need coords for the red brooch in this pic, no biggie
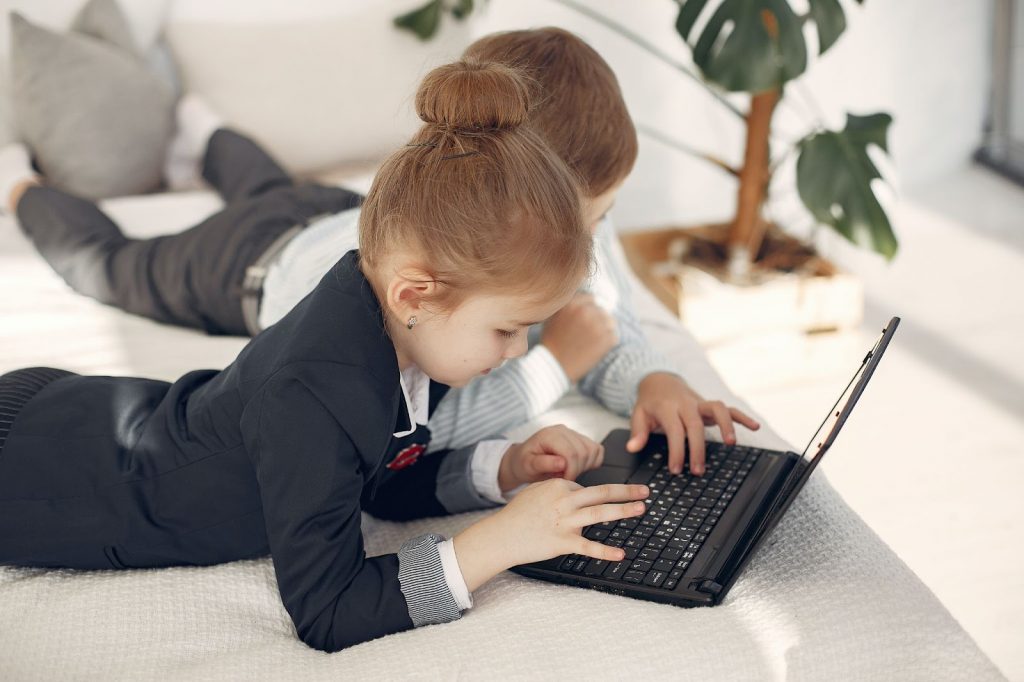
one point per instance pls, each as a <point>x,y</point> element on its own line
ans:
<point>407,457</point>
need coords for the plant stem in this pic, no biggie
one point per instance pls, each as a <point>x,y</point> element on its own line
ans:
<point>687,149</point>
<point>747,231</point>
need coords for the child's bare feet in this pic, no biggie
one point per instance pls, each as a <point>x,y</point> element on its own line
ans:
<point>16,174</point>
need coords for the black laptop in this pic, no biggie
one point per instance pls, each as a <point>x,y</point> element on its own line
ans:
<point>699,532</point>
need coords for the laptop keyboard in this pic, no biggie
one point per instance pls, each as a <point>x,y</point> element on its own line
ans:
<point>681,513</point>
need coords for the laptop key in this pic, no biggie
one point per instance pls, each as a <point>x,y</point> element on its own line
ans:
<point>664,565</point>
<point>655,578</point>
<point>567,562</point>
<point>580,565</point>
<point>672,553</point>
<point>648,554</point>
<point>642,565</point>
<point>657,543</point>
<point>631,553</point>
<point>635,577</point>
<point>616,570</point>
<point>596,567</point>
<point>670,584</point>
<point>596,534</point>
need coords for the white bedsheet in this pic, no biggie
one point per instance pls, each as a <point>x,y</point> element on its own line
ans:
<point>824,600</point>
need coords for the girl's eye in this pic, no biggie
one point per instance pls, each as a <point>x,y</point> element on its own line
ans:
<point>508,334</point>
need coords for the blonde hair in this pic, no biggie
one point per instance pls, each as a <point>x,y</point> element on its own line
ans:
<point>477,196</point>
<point>578,106</point>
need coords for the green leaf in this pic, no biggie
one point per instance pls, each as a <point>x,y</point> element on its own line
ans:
<point>689,10</point>
<point>828,16</point>
<point>423,21</point>
<point>756,45</point>
<point>764,48</point>
<point>462,9</point>
<point>834,174</point>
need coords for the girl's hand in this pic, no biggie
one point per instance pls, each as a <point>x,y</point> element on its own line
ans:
<point>664,400</point>
<point>545,521</point>
<point>553,452</point>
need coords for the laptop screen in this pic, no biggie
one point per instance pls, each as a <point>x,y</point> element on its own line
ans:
<point>837,416</point>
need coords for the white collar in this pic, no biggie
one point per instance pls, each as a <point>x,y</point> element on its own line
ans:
<point>416,391</point>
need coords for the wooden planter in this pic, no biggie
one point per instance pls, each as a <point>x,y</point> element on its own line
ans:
<point>796,290</point>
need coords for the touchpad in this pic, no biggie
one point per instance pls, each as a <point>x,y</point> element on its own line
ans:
<point>619,464</point>
<point>604,474</point>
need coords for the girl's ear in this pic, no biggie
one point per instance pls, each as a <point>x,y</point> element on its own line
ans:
<point>409,289</point>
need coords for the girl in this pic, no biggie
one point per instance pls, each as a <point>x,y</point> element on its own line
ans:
<point>469,234</point>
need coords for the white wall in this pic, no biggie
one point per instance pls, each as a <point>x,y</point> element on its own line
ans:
<point>925,62</point>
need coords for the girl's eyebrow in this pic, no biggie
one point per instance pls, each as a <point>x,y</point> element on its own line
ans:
<point>527,324</point>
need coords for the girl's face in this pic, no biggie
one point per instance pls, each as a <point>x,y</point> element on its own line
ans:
<point>478,336</point>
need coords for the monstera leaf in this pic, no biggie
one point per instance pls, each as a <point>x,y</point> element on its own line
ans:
<point>834,174</point>
<point>756,45</point>
<point>424,21</point>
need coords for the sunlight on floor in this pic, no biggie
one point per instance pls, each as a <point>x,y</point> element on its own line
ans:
<point>940,431</point>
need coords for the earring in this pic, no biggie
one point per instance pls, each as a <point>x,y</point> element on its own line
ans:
<point>411,323</point>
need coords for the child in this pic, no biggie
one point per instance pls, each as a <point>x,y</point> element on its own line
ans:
<point>580,112</point>
<point>469,234</point>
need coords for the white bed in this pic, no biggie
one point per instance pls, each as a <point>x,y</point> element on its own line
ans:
<point>825,600</point>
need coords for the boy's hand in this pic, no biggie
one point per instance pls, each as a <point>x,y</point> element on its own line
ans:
<point>552,452</point>
<point>542,522</point>
<point>664,400</point>
<point>579,335</point>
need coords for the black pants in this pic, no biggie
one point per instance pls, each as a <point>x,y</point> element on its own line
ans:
<point>193,278</point>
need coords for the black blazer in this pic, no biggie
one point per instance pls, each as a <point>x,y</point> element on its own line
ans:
<point>279,453</point>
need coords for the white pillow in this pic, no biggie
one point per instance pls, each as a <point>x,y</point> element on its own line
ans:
<point>318,82</point>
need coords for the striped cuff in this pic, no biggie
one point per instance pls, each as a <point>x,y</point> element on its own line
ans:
<point>618,388</point>
<point>484,467</point>
<point>422,580</point>
<point>540,379</point>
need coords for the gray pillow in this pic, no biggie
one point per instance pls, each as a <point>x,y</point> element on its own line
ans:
<point>97,120</point>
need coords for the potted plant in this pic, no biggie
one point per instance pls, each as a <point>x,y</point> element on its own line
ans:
<point>756,47</point>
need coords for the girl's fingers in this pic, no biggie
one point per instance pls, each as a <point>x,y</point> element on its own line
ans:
<point>744,419</point>
<point>695,434</point>
<point>548,464</point>
<point>675,433</point>
<point>607,493</point>
<point>596,550</point>
<point>588,516</point>
<point>724,421</point>
<point>640,429</point>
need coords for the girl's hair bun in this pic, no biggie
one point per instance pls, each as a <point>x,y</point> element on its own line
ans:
<point>471,95</point>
